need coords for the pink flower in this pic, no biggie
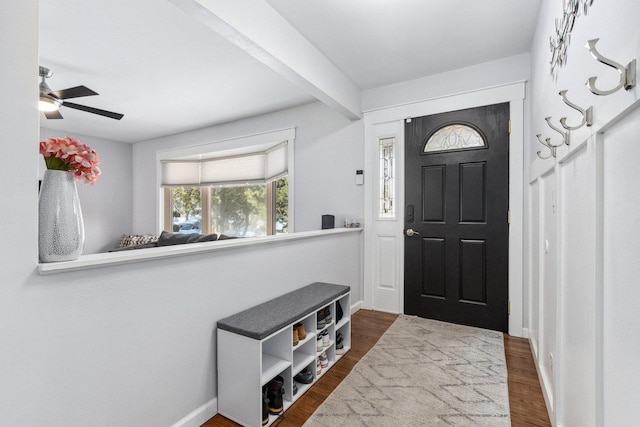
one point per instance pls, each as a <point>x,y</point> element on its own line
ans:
<point>69,154</point>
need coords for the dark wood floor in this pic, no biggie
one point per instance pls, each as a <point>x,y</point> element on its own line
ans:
<point>525,395</point>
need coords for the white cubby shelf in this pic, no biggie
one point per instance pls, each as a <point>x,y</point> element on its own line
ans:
<point>256,345</point>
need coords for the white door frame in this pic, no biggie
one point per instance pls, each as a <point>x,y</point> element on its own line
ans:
<point>383,237</point>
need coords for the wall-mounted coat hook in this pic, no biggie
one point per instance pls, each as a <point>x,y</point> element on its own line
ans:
<point>627,74</point>
<point>552,149</point>
<point>565,135</point>
<point>587,115</point>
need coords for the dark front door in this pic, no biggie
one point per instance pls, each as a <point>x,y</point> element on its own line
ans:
<point>456,217</point>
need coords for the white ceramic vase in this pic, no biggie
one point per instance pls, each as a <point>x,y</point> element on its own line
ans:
<point>60,224</point>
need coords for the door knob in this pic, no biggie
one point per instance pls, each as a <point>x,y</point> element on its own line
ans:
<point>410,232</point>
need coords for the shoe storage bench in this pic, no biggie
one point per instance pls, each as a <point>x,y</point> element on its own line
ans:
<point>256,345</point>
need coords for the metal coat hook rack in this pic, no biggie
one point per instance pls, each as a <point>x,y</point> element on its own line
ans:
<point>627,74</point>
<point>546,143</point>
<point>565,135</point>
<point>587,115</point>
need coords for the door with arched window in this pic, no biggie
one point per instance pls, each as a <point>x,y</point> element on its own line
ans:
<point>456,216</point>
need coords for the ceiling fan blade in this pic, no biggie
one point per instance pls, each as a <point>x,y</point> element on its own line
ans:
<point>98,111</point>
<point>73,92</point>
<point>53,114</point>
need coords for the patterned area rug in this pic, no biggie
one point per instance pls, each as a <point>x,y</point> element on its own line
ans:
<point>423,373</point>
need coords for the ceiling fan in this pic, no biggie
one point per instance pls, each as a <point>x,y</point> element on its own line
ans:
<point>51,101</point>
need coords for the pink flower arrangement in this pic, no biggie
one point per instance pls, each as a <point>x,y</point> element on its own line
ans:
<point>69,154</point>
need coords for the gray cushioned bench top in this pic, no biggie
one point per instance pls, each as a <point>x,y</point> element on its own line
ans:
<point>262,320</point>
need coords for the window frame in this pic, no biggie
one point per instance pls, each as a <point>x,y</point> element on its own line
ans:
<point>226,145</point>
<point>205,215</point>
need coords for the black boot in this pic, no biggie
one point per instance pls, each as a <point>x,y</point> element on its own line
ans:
<point>265,407</point>
<point>275,390</point>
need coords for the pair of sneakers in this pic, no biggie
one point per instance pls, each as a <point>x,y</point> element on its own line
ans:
<point>322,340</point>
<point>339,344</point>
<point>323,359</point>
<point>321,363</point>
<point>305,376</point>
<point>324,317</point>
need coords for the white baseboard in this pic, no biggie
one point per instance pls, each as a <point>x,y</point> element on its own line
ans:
<point>199,416</point>
<point>356,306</point>
<point>525,333</point>
<point>387,311</point>
<point>544,385</point>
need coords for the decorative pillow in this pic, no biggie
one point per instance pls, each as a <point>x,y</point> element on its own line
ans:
<point>129,248</point>
<point>168,239</point>
<point>136,239</point>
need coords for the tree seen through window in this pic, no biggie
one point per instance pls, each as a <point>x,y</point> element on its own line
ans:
<point>235,210</point>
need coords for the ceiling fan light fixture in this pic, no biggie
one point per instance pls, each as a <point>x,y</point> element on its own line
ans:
<point>48,103</point>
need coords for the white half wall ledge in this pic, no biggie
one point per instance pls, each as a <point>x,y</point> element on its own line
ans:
<point>139,255</point>
<point>268,37</point>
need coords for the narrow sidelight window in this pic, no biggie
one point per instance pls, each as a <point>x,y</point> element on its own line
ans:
<point>387,177</point>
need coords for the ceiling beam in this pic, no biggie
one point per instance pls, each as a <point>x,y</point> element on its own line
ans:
<point>255,27</point>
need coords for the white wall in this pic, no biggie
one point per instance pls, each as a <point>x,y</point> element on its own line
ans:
<point>616,27</point>
<point>20,306</point>
<point>328,151</point>
<point>488,74</point>
<point>582,252</point>
<point>134,344</point>
<point>106,205</point>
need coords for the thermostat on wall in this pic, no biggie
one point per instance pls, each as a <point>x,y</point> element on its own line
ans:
<point>359,177</point>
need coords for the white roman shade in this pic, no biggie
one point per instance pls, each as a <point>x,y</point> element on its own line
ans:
<point>276,162</point>
<point>176,173</point>
<point>256,167</point>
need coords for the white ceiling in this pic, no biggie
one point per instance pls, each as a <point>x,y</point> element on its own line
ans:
<point>168,72</point>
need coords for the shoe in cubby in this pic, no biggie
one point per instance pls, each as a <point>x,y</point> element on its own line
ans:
<point>324,360</point>
<point>325,339</point>
<point>339,344</point>
<point>265,406</point>
<point>320,319</point>
<point>302,333</point>
<point>327,315</point>
<point>275,391</point>
<point>305,376</point>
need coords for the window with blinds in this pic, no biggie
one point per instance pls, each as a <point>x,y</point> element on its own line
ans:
<point>238,192</point>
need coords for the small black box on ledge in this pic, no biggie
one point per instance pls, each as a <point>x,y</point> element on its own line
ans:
<point>328,221</point>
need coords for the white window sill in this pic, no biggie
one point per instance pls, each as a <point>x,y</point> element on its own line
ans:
<point>139,255</point>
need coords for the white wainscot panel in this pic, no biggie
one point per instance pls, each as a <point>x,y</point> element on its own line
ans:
<point>534,256</point>
<point>621,272</point>
<point>386,290</point>
<point>576,356</point>
<point>548,288</point>
<point>386,258</point>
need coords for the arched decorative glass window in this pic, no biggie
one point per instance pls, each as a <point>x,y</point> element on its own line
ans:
<point>454,137</point>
